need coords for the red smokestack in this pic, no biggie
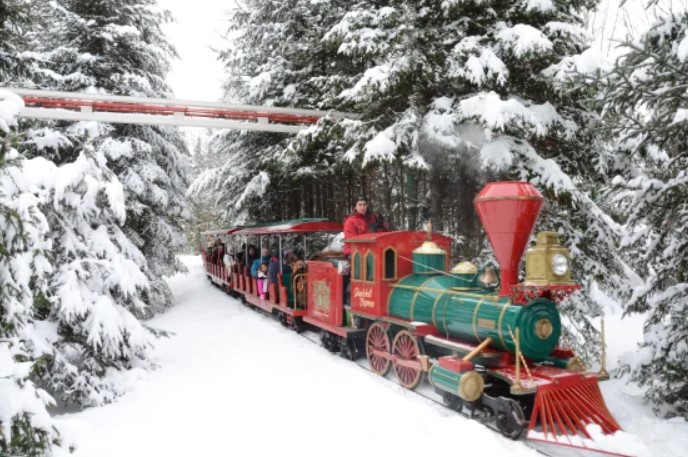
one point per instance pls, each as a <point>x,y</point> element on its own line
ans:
<point>508,211</point>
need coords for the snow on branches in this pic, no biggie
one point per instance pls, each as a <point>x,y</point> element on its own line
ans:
<point>646,102</point>
<point>26,428</point>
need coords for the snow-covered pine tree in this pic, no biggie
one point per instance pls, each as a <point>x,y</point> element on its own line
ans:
<point>117,47</point>
<point>98,284</point>
<point>14,19</point>
<point>26,427</point>
<point>648,112</point>
<point>276,57</point>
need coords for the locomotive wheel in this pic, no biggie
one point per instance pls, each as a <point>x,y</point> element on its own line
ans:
<point>406,348</point>
<point>510,419</point>
<point>378,339</point>
<point>451,401</point>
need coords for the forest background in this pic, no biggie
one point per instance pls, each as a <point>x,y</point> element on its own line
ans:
<point>450,95</point>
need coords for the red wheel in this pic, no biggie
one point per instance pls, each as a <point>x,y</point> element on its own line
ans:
<point>377,340</point>
<point>406,350</point>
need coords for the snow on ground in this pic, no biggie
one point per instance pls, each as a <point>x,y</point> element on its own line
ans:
<point>232,381</point>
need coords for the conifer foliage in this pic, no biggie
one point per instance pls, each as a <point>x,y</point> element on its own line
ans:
<point>648,113</point>
<point>26,428</point>
<point>117,47</point>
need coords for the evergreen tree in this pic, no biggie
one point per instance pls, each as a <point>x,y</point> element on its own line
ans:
<point>115,197</point>
<point>203,204</point>
<point>277,57</point>
<point>26,428</point>
<point>647,112</point>
<point>14,18</point>
<point>98,282</point>
<point>117,47</point>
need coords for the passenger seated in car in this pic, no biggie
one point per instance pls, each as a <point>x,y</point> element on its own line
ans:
<point>228,261</point>
<point>298,266</point>
<point>251,256</point>
<point>274,267</point>
<point>264,258</point>
<point>262,280</point>
<point>220,252</point>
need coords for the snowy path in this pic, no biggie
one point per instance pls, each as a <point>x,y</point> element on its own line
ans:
<point>234,382</point>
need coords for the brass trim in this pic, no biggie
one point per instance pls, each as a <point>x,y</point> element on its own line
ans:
<point>475,319</point>
<point>500,326</point>
<point>434,310</point>
<point>511,197</point>
<point>478,349</point>
<point>444,318</point>
<point>429,247</point>
<point>415,297</point>
<point>464,268</point>
<point>543,328</point>
<point>448,291</point>
<point>471,386</point>
<point>458,347</point>
<point>517,342</point>
<point>576,365</point>
<point>424,362</point>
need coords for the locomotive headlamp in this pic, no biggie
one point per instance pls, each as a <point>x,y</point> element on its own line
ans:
<point>560,264</point>
<point>548,262</point>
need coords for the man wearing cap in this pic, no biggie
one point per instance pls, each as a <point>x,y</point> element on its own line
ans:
<point>361,221</point>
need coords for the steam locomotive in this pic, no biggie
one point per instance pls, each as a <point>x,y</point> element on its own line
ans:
<point>485,342</point>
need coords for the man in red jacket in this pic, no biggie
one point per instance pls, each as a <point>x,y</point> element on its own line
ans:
<point>361,221</point>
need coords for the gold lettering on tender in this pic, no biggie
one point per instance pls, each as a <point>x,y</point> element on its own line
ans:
<point>321,296</point>
<point>486,323</point>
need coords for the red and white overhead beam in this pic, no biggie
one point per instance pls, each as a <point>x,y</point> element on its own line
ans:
<point>74,106</point>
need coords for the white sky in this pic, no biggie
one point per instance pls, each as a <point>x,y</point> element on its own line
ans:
<point>200,24</point>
